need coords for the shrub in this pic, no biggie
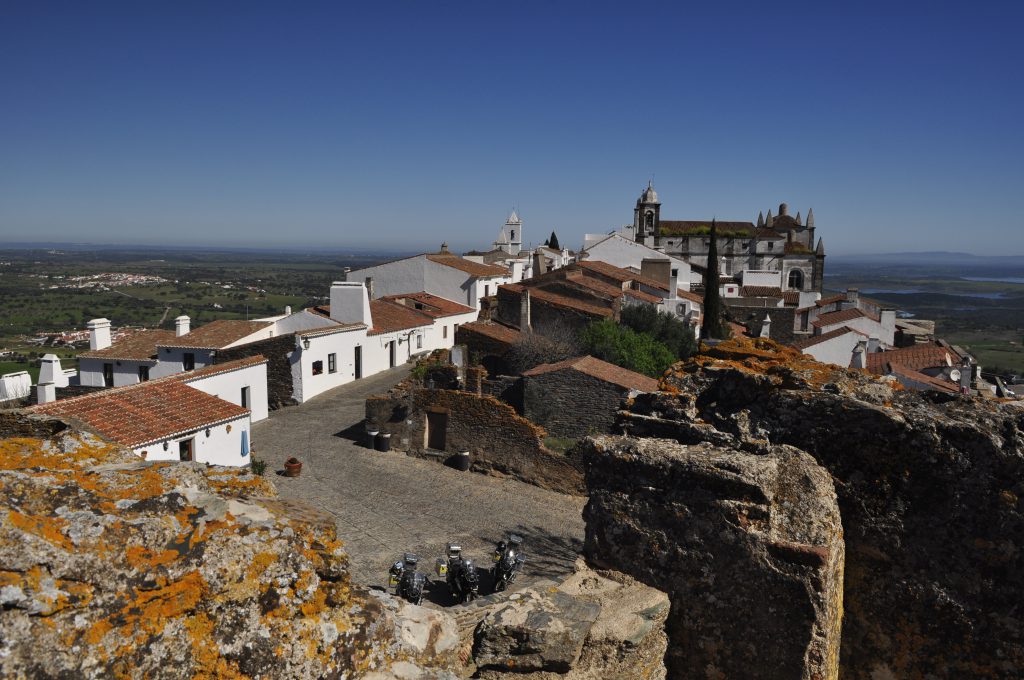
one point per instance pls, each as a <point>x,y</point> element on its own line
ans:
<point>258,466</point>
<point>665,328</point>
<point>624,347</point>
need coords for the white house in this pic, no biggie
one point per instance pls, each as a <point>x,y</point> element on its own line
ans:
<point>624,253</point>
<point>840,346</point>
<point>442,274</point>
<point>126,362</point>
<point>242,382</point>
<point>174,418</point>
<point>190,350</point>
<point>848,310</point>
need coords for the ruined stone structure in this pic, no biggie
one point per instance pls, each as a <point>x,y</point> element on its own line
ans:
<point>278,351</point>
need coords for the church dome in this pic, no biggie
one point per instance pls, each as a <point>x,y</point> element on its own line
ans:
<point>649,195</point>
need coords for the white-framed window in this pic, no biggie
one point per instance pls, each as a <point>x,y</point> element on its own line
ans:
<point>332,363</point>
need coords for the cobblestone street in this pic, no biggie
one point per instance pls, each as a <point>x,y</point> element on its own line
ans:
<point>387,503</point>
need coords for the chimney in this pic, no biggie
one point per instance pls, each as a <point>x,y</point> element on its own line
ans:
<point>783,209</point>
<point>287,310</point>
<point>874,345</point>
<point>99,334</point>
<point>182,325</point>
<point>345,272</point>
<point>350,302</point>
<point>673,283</point>
<point>444,248</point>
<point>45,393</point>
<point>658,270</point>
<point>51,372</point>
<point>853,296</point>
<point>524,311</point>
<point>766,327</point>
<point>369,287</point>
<point>540,263</point>
<point>859,355</point>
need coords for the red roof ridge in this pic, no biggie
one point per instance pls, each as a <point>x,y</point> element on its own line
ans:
<point>602,370</point>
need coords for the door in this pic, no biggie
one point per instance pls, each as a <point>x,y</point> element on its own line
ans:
<point>437,431</point>
<point>359,362</point>
<point>391,354</point>
<point>185,449</point>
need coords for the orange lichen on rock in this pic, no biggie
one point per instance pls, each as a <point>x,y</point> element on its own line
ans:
<point>47,528</point>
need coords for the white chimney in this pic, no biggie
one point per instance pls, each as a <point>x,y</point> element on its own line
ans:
<point>766,327</point>
<point>99,334</point>
<point>350,303</point>
<point>860,355</point>
<point>45,393</point>
<point>182,325</point>
<point>288,310</point>
<point>874,345</point>
<point>51,372</point>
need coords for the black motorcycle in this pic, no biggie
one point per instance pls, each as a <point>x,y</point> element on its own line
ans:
<point>461,576</point>
<point>508,561</point>
<point>408,583</point>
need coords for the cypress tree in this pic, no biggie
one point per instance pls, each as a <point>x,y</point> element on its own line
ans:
<point>711,327</point>
<point>553,242</point>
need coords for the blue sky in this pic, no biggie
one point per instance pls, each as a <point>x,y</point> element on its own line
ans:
<point>400,125</point>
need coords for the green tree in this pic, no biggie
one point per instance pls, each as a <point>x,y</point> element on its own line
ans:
<point>712,324</point>
<point>665,328</point>
<point>553,242</point>
<point>622,346</point>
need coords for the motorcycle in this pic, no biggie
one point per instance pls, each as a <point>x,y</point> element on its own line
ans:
<point>508,561</point>
<point>407,582</point>
<point>460,574</point>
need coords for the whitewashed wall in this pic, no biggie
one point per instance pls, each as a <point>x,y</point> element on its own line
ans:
<point>342,345</point>
<point>169,360</point>
<point>838,351</point>
<point>126,372</point>
<point>228,386</point>
<point>620,252</point>
<point>222,447</point>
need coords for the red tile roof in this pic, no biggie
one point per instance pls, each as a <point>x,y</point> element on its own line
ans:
<point>929,381</point>
<point>842,316</point>
<point>468,266</point>
<point>147,412</point>
<point>831,300</point>
<point>620,274</point>
<point>431,305</point>
<point>614,291</point>
<point>916,357</point>
<point>492,330</point>
<point>690,295</point>
<point>761,291</point>
<point>559,300</point>
<point>216,369</point>
<point>137,346</point>
<point>601,370</point>
<point>791,297</point>
<point>389,317</point>
<point>823,337</point>
<point>217,334</point>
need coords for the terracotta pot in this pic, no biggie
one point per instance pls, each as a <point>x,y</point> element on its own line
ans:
<point>292,467</point>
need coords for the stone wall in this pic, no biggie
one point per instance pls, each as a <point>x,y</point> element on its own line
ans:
<point>15,423</point>
<point>499,440</point>
<point>280,389</point>
<point>930,490</point>
<point>571,404</point>
<point>749,547</point>
<point>507,388</point>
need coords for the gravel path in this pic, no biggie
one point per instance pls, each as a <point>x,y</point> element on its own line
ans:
<point>387,503</point>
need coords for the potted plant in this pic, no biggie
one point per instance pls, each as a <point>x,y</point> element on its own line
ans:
<point>292,467</point>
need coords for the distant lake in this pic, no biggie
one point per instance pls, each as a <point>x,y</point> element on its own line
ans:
<point>1005,279</point>
<point>918,291</point>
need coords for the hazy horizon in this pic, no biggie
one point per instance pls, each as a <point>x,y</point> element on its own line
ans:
<point>297,126</point>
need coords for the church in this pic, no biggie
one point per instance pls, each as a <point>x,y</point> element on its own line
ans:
<point>782,245</point>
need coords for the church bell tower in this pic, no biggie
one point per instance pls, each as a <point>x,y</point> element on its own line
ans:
<point>647,218</point>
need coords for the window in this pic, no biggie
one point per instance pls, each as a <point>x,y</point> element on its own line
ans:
<point>419,342</point>
<point>185,449</point>
<point>245,397</point>
<point>771,245</point>
<point>796,279</point>
<point>444,332</point>
<point>318,367</point>
<point>143,373</point>
<point>188,361</point>
<point>455,328</point>
<point>487,290</point>
<point>332,363</point>
<point>108,375</point>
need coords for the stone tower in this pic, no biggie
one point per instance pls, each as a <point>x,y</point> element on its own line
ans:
<point>514,228</point>
<point>647,217</point>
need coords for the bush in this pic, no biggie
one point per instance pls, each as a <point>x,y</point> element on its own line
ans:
<point>547,344</point>
<point>258,466</point>
<point>622,346</point>
<point>665,328</point>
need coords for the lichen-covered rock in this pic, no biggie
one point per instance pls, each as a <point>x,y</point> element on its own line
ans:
<point>115,567</point>
<point>930,488</point>
<point>748,547</point>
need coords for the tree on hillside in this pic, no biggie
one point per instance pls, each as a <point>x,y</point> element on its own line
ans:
<point>552,242</point>
<point>712,324</point>
<point>624,347</point>
<point>667,329</point>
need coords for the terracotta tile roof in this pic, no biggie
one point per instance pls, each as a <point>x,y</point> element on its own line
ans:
<point>765,234</point>
<point>691,296</point>
<point>614,291</point>
<point>916,357</point>
<point>843,315</point>
<point>620,274</point>
<point>215,369</point>
<point>931,382</point>
<point>601,370</point>
<point>147,412</point>
<point>431,305</point>
<point>468,266</point>
<point>831,300</point>
<point>791,297</point>
<point>217,334</point>
<point>564,301</point>
<point>823,337</point>
<point>389,317</point>
<point>698,227</point>
<point>761,291</point>
<point>137,346</point>
<point>492,330</point>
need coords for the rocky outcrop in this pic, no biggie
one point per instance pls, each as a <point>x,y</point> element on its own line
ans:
<point>749,548</point>
<point>595,625</point>
<point>115,567</point>
<point>929,489</point>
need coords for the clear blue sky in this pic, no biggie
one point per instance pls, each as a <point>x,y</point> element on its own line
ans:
<point>400,125</point>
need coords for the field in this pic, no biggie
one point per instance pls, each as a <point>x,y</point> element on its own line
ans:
<point>47,292</point>
<point>977,303</point>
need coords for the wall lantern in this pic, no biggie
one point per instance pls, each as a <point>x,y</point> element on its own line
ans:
<point>166,446</point>
<point>207,432</point>
<point>305,343</point>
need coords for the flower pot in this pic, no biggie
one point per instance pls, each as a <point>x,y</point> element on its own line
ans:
<point>292,467</point>
<point>383,442</point>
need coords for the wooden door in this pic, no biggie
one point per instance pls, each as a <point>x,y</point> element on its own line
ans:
<point>437,431</point>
